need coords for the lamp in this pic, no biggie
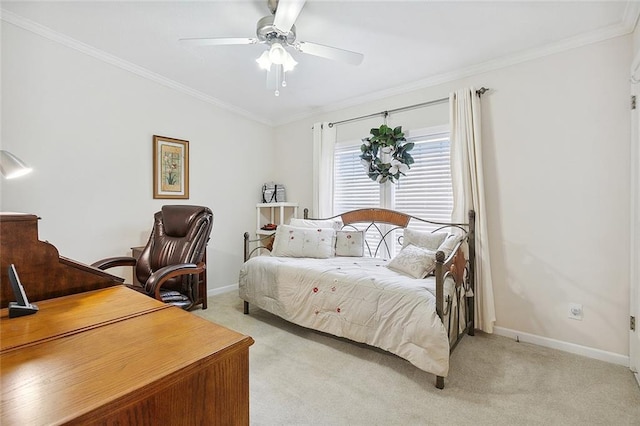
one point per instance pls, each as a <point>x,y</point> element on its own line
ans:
<point>11,166</point>
<point>264,62</point>
<point>277,55</point>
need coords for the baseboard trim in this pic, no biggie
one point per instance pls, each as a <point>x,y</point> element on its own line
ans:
<point>564,346</point>
<point>220,290</point>
<point>547,342</point>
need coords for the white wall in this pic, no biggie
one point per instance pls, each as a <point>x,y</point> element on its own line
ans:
<point>556,133</point>
<point>556,144</point>
<point>86,127</point>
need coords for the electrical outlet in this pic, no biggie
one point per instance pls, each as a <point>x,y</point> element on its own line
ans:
<point>575,311</point>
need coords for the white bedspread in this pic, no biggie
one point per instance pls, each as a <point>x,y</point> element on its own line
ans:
<point>356,298</point>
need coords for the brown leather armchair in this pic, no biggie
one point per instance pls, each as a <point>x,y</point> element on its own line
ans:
<point>172,261</point>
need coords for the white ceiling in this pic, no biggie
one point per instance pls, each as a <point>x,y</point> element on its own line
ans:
<point>406,44</point>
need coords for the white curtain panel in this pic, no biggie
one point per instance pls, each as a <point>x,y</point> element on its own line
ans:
<point>468,193</point>
<point>324,141</point>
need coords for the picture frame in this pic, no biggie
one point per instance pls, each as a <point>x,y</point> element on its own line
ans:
<point>170,168</point>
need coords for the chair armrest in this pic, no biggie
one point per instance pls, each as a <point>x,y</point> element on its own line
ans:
<point>156,279</point>
<point>112,262</point>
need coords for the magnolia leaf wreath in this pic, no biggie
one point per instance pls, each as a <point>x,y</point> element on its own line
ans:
<point>385,154</point>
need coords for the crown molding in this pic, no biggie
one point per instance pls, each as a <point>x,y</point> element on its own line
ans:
<point>72,43</point>
<point>624,27</point>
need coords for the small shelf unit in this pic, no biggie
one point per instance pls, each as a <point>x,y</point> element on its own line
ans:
<point>276,213</point>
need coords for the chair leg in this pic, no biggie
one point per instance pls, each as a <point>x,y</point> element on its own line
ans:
<point>246,307</point>
<point>440,382</point>
<point>202,288</point>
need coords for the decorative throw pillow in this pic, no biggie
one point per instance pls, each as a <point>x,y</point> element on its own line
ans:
<point>413,261</point>
<point>350,243</point>
<point>291,241</point>
<point>316,223</point>
<point>424,239</point>
<point>449,244</point>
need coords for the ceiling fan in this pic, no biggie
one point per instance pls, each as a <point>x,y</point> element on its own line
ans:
<point>278,32</point>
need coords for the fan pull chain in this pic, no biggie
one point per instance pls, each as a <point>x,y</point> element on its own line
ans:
<point>278,76</point>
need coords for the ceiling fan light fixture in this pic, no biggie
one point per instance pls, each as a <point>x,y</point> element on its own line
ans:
<point>289,63</point>
<point>278,32</point>
<point>277,54</point>
<point>263,61</point>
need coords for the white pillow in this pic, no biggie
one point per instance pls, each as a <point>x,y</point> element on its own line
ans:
<point>424,239</point>
<point>291,241</point>
<point>316,223</point>
<point>350,243</point>
<point>414,261</point>
<point>449,244</point>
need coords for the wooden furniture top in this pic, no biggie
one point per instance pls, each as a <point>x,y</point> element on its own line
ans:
<point>73,314</point>
<point>43,272</point>
<point>104,360</point>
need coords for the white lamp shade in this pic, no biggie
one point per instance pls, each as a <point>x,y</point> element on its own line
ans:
<point>11,166</point>
<point>277,54</point>
<point>263,61</point>
<point>289,63</point>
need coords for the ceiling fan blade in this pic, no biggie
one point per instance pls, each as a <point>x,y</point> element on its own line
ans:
<point>217,41</point>
<point>287,13</point>
<point>347,56</point>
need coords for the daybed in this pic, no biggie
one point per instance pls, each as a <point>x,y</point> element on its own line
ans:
<point>342,276</point>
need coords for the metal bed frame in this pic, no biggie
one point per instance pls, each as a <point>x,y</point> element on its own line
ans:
<point>382,223</point>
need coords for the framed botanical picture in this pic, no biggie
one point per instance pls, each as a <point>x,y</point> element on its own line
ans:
<point>170,168</point>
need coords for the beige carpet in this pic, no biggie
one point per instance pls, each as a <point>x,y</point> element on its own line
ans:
<point>302,377</point>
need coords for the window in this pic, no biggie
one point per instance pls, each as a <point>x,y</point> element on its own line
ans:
<point>425,191</point>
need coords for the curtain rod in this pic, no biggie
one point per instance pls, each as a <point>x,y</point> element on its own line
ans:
<point>481,91</point>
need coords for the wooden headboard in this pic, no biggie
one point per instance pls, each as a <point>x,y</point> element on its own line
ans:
<point>390,217</point>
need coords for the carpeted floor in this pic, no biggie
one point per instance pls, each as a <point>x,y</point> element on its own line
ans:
<point>302,377</point>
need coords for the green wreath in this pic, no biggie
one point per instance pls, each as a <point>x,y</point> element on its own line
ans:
<point>386,144</point>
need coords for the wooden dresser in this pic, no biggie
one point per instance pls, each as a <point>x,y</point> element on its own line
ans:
<point>115,356</point>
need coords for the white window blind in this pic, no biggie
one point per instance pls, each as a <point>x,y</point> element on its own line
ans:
<point>426,190</point>
<point>352,188</point>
